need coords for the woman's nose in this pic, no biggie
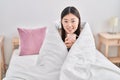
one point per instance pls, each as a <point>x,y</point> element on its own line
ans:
<point>69,24</point>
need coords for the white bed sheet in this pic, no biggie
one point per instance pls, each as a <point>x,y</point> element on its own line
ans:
<point>19,64</point>
<point>25,68</point>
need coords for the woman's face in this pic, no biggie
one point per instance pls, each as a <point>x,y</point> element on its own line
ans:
<point>70,23</point>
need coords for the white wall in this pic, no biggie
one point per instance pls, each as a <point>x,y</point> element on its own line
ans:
<point>31,13</point>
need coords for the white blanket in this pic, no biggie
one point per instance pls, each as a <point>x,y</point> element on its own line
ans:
<point>84,63</point>
<point>25,68</point>
<point>21,67</point>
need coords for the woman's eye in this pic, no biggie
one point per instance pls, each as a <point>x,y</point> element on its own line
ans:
<point>73,21</point>
<point>65,21</point>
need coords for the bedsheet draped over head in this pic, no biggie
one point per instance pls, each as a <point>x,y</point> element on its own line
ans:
<point>81,55</point>
<point>83,63</point>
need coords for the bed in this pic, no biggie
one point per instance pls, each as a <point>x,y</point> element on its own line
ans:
<point>54,62</point>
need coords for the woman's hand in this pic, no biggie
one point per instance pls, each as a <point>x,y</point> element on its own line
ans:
<point>70,39</point>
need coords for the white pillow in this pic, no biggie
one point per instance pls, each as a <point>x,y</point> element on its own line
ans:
<point>81,54</point>
<point>53,51</point>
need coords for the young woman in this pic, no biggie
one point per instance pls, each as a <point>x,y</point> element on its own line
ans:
<point>70,24</point>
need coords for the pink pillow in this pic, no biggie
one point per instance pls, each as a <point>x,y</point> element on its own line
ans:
<point>31,40</point>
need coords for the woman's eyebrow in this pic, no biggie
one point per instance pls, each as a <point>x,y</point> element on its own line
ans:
<point>68,19</point>
<point>65,19</point>
<point>73,18</point>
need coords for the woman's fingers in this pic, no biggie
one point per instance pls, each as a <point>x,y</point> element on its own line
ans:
<point>69,40</point>
<point>68,44</point>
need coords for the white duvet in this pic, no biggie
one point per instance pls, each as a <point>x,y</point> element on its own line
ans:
<point>54,62</point>
<point>84,62</point>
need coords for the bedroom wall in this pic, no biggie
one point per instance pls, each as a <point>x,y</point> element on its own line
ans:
<point>37,13</point>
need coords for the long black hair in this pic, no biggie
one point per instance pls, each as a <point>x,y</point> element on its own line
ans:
<point>74,11</point>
